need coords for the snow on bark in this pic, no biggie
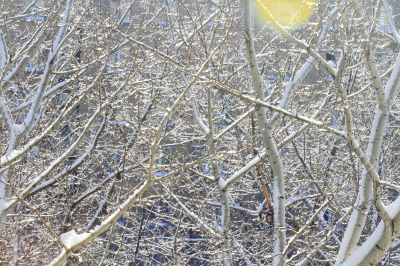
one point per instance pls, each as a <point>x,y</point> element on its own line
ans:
<point>379,124</point>
<point>75,241</point>
<point>71,238</point>
<point>372,250</point>
<point>269,143</point>
<point>44,81</point>
<point>3,51</point>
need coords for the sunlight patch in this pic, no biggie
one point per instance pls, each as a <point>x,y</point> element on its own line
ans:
<point>288,13</point>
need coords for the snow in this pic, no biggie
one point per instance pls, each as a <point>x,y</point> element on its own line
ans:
<point>9,156</point>
<point>3,202</point>
<point>3,51</point>
<point>71,238</point>
<point>242,171</point>
<point>365,250</point>
<point>357,257</point>
<point>222,183</point>
<point>394,208</point>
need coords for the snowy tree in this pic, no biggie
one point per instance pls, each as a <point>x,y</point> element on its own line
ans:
<point>139,132</point>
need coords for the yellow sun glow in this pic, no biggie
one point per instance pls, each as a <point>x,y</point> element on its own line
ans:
<point>287,13</point>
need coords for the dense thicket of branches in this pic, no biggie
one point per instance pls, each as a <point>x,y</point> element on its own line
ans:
<point>190,132</point>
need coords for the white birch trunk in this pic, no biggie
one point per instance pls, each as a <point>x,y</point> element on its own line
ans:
<point>373,249</point>
<point>16,131</point>
<point>365,194</point>
<point>270,146</point>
